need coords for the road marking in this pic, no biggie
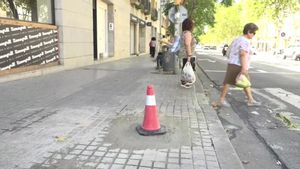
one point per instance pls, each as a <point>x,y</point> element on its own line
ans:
<point>209,60</point>
<point>215,71</point>
<point>272,100</point>
<point>262,71</point>
<point>285,96</point>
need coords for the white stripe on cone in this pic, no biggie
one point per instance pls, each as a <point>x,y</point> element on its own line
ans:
<point>150,101</point>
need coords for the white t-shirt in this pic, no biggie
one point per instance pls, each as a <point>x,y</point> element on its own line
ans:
<point>240,43</point>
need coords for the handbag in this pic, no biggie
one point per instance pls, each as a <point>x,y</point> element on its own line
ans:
<point>188,74</point>
<point>242,81</point>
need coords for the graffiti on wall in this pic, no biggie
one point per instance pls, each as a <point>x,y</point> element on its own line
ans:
<point>25,46</point>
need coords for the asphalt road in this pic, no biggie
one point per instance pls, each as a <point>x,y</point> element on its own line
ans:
<point>267,136</point>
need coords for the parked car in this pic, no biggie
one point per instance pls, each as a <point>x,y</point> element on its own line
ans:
<point>292,52</point>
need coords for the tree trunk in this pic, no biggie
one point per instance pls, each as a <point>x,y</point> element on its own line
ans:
<point>13,9</point>
<point>34,13</point>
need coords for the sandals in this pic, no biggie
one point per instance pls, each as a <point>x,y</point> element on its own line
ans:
<point>218,104</point>
<point>254,104</point>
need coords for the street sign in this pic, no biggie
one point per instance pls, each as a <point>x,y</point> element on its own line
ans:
<point>178,16</point>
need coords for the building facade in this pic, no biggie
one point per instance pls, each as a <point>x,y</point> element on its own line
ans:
<point>83,33</point>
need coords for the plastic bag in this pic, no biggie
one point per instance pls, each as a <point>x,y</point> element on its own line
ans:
<point>242,81</point>
<point>188,74</point>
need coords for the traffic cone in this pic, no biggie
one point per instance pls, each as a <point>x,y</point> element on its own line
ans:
<point>151,125</point>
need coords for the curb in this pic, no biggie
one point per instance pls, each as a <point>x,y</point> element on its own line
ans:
<point>226,154</point>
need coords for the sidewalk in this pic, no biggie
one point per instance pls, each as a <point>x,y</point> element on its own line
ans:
<point>86,118</point>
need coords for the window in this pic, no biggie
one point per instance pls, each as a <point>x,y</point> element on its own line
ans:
<point>28,10</point>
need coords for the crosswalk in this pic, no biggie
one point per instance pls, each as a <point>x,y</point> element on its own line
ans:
<point>285,96</point>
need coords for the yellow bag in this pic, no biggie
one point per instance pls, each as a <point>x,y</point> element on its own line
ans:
<point>242,81</point>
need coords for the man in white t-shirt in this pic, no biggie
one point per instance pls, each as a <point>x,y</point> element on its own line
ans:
<point>239,54</point>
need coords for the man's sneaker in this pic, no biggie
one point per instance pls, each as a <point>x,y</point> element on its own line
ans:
<point>254,104</point>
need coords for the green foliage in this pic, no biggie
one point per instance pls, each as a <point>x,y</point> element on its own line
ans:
<point>280,8</point>
<point>229,20</point>
<point>226,2</point>
<point>201,11</point>
<point>228,25</point>
<point>26,5</point>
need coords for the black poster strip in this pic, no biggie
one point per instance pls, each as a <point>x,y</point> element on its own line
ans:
<point>25,46</point>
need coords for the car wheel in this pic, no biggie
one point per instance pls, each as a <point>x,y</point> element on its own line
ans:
<point>284,57</point>
<point>297,58</point>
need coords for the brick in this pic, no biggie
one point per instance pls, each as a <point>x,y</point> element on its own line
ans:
<point>91,147</point>
<point>110,155</point>
<point>131,167</point>
<point>138,151</point>
<point>173,166</point>
<point>103,166</point>
<point>107,160</point>
<point>99,153</point>
<point>159,165</point>
<point>75,152</point>
<point>146,163</point>
<point>114,150</point>
<point>83,157</point>
<point>186,166</point>
<point>120,161</point>
<point>117,166</point>
<point>123,156</point>
<point>173,160</point>
<point>133,162</point>
<point>88,153</point>
<point>186,161</point>
<point>136,157</point>
<point>107,144</point>
<point>124,151</point>
<point>188,156</point>
<point>102,148</point>
<point>174,155</point>
<point>69,157</point>
<point>90,164</point>
<point>80,147</point>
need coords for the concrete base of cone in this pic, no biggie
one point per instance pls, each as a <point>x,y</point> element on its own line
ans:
<point>143,132</point>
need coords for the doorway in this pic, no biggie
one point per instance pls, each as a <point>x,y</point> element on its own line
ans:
<point>102,30</point>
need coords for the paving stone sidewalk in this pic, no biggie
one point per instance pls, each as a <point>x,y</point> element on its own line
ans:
<point>93,127</point>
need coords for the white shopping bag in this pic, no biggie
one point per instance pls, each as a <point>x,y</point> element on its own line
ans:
<point>188,74</point>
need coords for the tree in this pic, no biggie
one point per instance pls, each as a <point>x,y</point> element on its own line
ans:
<point>201,11</point>
<point>280,8</point>
<point>228,25</point>
<point>27,6</point>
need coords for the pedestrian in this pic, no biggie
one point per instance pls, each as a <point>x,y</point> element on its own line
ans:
<point>238,64</point>
<point>187,49</point>
<point>152,46</point>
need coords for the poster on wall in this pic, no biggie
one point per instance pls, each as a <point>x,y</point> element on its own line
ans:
<point>25,46</point>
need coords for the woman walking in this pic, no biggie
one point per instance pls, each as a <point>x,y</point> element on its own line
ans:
<point>238,64</point>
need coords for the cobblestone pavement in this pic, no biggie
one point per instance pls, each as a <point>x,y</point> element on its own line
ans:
<point>92,126</point>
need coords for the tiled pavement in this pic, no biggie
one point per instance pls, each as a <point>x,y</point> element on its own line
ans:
<point>108,139</point>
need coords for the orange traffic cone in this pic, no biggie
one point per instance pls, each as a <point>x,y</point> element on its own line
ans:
<point>151,125</point>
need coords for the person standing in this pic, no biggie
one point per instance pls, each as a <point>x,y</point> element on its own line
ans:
<point>238,64</point>
<point>152,46</point>
<point>188,44</point>
<point>163,48</point>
